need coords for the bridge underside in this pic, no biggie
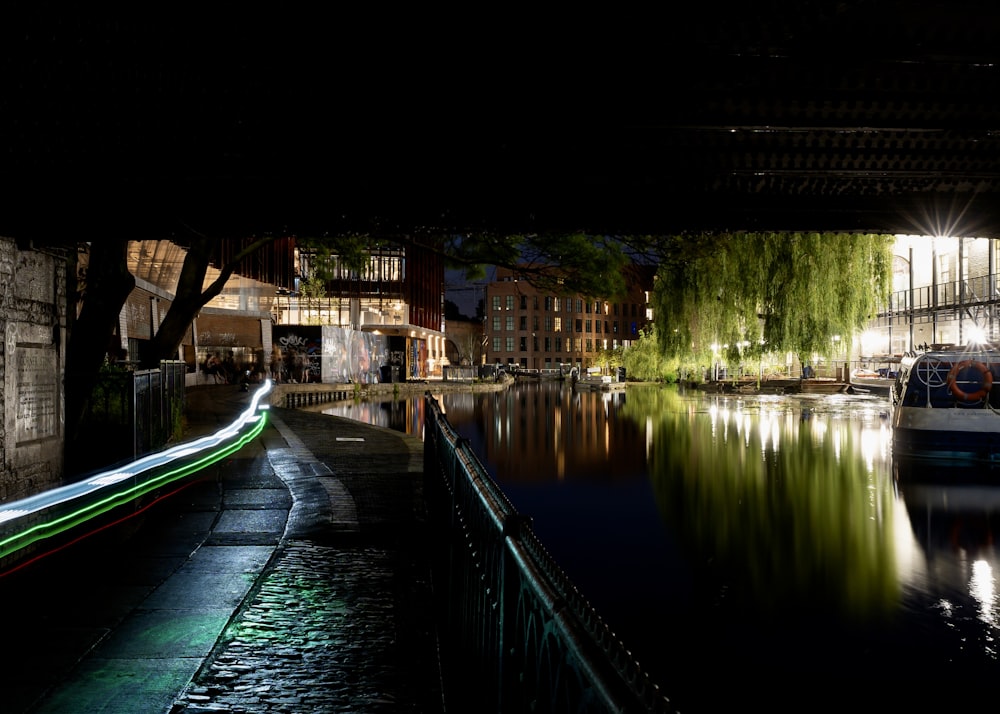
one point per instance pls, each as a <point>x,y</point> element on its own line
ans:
<point>778,116</point>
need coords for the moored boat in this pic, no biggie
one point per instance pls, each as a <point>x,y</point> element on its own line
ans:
<point>821,385</point>
<point>875,377</point>
<point>944,404</point>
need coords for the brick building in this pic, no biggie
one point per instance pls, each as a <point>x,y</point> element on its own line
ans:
<point>536,329</point>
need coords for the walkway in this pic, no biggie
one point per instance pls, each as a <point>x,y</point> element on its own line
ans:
<point>292,578</point>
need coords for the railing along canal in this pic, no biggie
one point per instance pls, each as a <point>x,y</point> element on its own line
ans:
<point>130,413</point>
<point>525,638</point>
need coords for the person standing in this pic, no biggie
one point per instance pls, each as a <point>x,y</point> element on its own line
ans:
<point>290,364</point>
<point>276,364</point>
<point>214,367</point>
<point>300,366</point>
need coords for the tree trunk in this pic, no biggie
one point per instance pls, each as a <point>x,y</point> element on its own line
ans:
<point>192,295</point>
<point>188,300</point>
<point>106,288</point>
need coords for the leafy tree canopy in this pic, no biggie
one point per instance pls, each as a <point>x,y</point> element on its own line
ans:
<point>591,265</point>
<point>769,292</point>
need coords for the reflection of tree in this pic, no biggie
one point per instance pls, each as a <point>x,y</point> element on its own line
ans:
<point>778,528</point>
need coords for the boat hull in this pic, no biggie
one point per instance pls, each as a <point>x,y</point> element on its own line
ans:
<point>819,385</point>
<point>947,433</point>
<point>875,387</point>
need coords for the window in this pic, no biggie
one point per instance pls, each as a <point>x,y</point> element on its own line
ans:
<point>614,327</point>
<point>534,323</point>
<point>590,345</point>
<point>510,344</point>
<point>534,343</point>
<point>587,307</point>
<point>510,302</point>
<point>597,325</point>
<point>557,324</point>
<point>548,344</point>
<point>510,323</point>
<point>579,324</point>
<point>590,327</point>
<point>579,306</point>
<point>548,303</point>
<point>524,344</point>
<point>524,302</point>
<point>558,344</point>
<point>524,323</point>
<point>496,302</point>
<point>548,323</point>
<point>496,344</point>
<point>576,344</point>
<point>496,323</point>
<point>535,300</point>
<point>556,305</point>
<point>568,302</point>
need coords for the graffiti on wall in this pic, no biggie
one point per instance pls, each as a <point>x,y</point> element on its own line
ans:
<point>300,340</point>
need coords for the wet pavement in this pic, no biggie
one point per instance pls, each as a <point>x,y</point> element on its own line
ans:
<point>292,577</point>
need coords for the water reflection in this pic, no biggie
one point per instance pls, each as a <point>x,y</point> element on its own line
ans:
<point>954,511</point>
<point>779,504</point>
<point>751,536</point>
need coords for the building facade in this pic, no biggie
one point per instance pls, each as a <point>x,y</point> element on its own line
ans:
<point>945,291</point>
<point>398,295</point>
<point>537,330</point>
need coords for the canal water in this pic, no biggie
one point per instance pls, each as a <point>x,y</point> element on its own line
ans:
<point>750,550</point>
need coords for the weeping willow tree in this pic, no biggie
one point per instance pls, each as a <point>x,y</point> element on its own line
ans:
<point>644,361</point>
<point>758,293</point>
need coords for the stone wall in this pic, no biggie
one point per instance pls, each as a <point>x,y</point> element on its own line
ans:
<point>33,318</point>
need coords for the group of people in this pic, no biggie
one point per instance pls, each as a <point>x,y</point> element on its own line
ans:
<point>286,366</point>
<point>290,366</point>
<point>224,370</point>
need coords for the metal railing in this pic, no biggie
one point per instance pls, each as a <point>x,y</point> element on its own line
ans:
<point>520,634</point>
<point>131,413</point>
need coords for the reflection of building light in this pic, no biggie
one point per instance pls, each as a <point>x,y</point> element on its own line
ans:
<point>981,587</point>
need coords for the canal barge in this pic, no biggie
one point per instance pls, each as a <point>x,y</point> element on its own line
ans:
<point>944,404</point>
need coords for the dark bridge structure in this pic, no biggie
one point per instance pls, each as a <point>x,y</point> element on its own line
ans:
<point>799,116</point>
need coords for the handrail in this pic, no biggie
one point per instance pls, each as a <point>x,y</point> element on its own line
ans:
<point>38,525</point>
<point>523,637</point>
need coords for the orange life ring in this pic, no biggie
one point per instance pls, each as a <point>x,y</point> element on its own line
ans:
<point>979,393</point>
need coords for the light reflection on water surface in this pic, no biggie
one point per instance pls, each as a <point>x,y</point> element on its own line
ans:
<point>749,535</point>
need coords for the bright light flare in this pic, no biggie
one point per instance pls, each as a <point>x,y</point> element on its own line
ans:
<point>977,336</point>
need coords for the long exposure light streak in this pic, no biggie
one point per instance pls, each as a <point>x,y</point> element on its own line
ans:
<point>57,511</point>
